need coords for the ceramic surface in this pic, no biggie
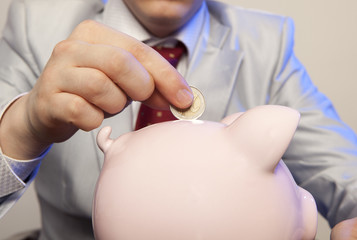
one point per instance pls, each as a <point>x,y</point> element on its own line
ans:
<point>201,180</point>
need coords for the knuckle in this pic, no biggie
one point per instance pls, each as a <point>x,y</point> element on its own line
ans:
<point>147,88</point>
<point>95,122</point>
<point>85,27</point>
<point>79,110</point>
<point>76,108</point>
<point>96,83</point>
<point>118,106</point>
<point>116,103</point>
<point>120,58</point>
<point>88,23</point>
<point>131,75</point>
<point>64,47</point>
<point>139,49</point>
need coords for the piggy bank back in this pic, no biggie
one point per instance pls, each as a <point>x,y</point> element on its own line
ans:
<point>201,180</point>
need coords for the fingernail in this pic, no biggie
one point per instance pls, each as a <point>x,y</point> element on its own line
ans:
<point>185,97</point>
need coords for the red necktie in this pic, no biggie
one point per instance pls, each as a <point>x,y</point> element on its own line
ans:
<point>147,115</point>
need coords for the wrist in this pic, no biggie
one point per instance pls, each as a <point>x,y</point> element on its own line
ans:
<point>16,139</point>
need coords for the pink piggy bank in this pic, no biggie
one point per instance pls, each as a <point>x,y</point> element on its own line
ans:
<point>201,180</point>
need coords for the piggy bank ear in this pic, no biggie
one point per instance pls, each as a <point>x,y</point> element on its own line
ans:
<point>263,133</point>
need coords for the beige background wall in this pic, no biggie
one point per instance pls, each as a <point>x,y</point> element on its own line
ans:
<point>326,37</point>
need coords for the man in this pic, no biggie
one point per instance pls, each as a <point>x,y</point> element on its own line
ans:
<point>238,58</point>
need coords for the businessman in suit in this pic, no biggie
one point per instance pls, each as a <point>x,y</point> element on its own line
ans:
<point>62,76</point>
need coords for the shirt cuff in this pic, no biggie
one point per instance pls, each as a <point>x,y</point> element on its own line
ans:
<point>22,168</point>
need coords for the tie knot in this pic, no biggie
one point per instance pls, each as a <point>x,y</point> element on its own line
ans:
<point>172,55</point>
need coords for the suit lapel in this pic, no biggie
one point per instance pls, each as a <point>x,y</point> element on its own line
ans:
<point>214,68</point>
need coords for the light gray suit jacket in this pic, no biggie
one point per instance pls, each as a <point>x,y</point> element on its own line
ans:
<point>246,59</point>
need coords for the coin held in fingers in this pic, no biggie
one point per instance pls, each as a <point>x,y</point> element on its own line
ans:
<point>195,111</point>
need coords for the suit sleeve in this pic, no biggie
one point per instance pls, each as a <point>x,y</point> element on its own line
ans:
<point>18,73</point>
<point>323,153</point>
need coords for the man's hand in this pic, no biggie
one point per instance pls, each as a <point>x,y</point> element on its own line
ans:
<point>97,70</point>
<point>345,230</point>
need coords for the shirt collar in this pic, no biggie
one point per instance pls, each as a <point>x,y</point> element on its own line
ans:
<point>118,16</point>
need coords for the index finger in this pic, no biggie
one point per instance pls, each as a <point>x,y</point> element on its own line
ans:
<point>169,83</point>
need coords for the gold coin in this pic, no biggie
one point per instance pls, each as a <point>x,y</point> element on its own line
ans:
<point>195,111</point>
